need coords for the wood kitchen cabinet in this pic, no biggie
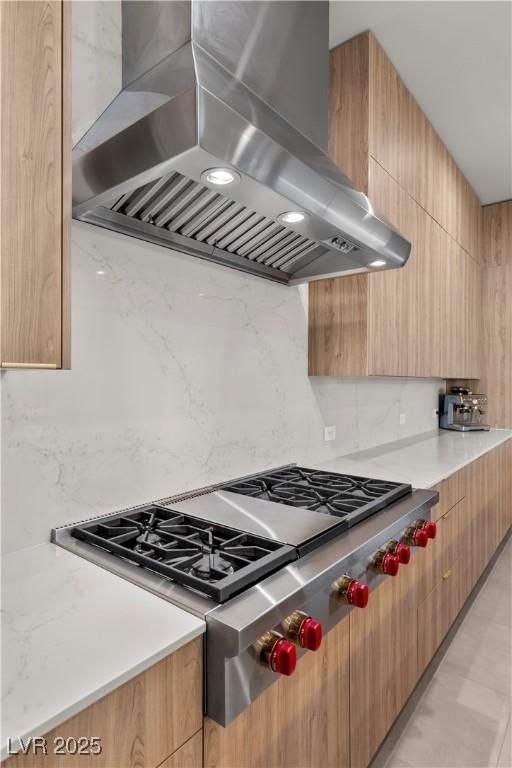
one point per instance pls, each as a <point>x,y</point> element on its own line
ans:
<point>337,710</point>
<point>301,720</point>
<point>424,319</point>
<point>157,716</point>
<point>497,321</point>
<point>383,660</point>
<point>469,531</point>
<point>35,183</point>
<point>394,639</point>
<point>437,611</point>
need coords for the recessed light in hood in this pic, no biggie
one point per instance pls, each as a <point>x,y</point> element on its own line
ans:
<point>220,176</point>
<point>291,217</point>
<point>201,109</point>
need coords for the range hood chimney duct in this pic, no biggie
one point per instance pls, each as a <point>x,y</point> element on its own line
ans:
<point>216,144</point>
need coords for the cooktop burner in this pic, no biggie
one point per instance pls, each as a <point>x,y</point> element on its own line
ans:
<point>347,496</point>
<point>214,559</point>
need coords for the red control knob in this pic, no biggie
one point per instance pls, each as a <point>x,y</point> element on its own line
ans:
<point>420,537</point>
<point>430,529</point>
<point>357,594</point>
<point>352,591</point>
<point>310,634</point>
<point>302,630</point>
<point>403,552</point>
<point>414,536</point>
<point>390,565</point>
<point>383,562</point>
<point>283,657</point>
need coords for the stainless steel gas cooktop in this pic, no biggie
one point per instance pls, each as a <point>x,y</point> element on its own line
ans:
<point>270,561</point>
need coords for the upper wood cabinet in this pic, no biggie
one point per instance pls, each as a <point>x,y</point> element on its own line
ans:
<point>497,320</point>
<point>425,319</point>
<point>35,183</point>
<point>403,141</point>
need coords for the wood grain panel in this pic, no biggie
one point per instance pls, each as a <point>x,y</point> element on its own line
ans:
<point>468,535</point>
<point>35,183</point>
<point>423,320</point>
<point>393,295</point>
<point>190,755</point>
<point>403,141</point>
<point>472,302</point>
<point>497,316</point>
<point>389,135</point>
<point>497,344</point>
<point>348,108</point>
<point>437,613</point>
<point>497,234</point>
<point>505,503</point>
<point>66,185</point>
<point>31,180</point>
<point>302,720</point>
<point>142,722</point>
<point>338,326</point>
<point>383,660</point>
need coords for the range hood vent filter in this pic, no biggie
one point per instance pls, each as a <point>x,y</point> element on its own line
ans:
<point>179,205</point>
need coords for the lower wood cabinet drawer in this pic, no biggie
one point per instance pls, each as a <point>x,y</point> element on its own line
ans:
<point>437,612</point>
<point>451,491</point>
<point>383,659</point>
<point>448,546</point>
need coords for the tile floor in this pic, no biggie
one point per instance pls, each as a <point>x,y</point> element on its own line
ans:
<point>460,713</point>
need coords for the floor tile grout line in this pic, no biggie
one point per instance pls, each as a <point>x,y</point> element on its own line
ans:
<point>475,682</point>
<point>509,726</point>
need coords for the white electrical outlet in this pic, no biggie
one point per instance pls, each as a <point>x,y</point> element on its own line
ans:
<point>403,418</point>
<point>329,433</point>
<point>435,414</point>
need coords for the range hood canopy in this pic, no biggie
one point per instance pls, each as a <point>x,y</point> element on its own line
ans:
<point>240,87</point>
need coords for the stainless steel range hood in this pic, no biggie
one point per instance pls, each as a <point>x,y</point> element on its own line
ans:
<point>239,86</point>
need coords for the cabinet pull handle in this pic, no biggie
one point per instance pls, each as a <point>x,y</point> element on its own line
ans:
<point>447,574</point>
<point>28,365</point>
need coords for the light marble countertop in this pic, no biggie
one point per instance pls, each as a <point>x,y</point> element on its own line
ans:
<point>66,621</point>
<point>72,632</point>
<point>423,460</point>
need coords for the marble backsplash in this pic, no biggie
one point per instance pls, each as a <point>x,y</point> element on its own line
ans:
<point>183,372</point>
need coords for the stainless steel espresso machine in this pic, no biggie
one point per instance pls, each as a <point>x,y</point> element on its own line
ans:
<point>462,410</point>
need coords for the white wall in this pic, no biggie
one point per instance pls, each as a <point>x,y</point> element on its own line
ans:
<point>183,372</point>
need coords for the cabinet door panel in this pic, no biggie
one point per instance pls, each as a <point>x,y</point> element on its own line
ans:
<point>301,720</point>
<point>393,295</point>
<point>505,481</point>
<point>383,659</point>
<point>436,614</point>
<point>33,163</point>
<point>140,723</point>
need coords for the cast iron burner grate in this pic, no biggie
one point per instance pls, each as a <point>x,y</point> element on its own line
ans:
<point>213,559</point>
<point>350,497</point>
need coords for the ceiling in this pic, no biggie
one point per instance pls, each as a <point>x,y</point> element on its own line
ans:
<point>455,58</point>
